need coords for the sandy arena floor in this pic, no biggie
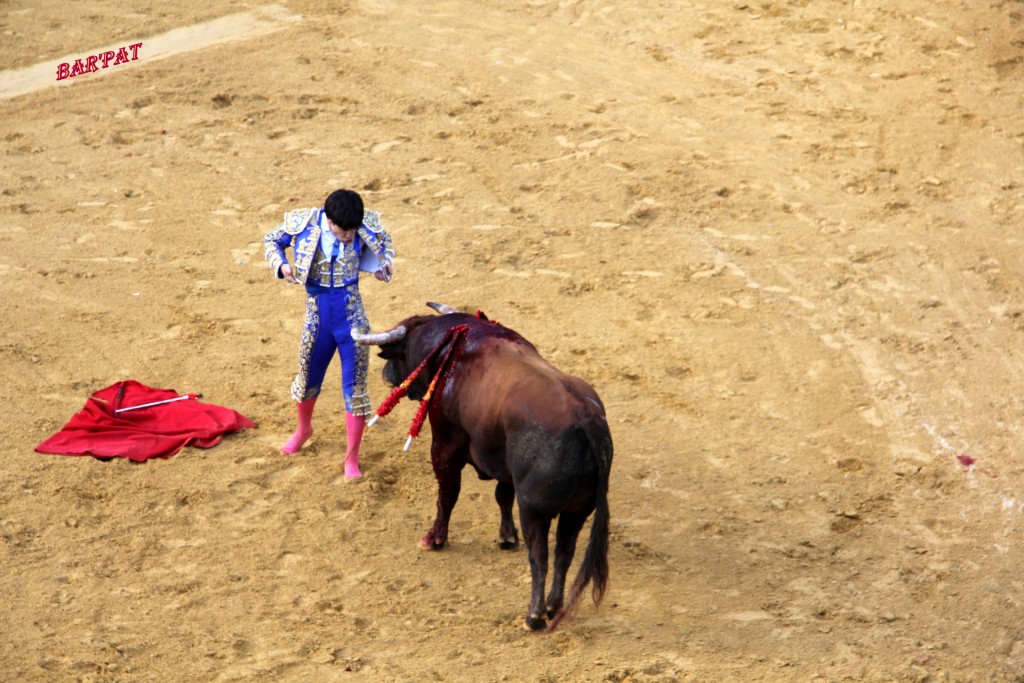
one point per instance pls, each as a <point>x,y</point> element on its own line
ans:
<point>783,239</point>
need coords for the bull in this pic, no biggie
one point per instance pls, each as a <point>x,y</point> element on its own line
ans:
<point>540,433</point>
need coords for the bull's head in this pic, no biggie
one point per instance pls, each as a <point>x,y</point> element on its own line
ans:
<point>394,348</point>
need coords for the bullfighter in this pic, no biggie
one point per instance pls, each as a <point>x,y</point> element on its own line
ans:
<point>331,245</point>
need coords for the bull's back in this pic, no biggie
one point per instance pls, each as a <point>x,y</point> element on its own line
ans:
<point>537,426</point>
<point>512,383</point>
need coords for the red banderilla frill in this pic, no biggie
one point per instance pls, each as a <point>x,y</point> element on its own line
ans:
<point>454,336</point>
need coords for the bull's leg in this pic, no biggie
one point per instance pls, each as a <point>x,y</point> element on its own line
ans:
<point>535,532</point>
<point>448,457</point>
<point>448,487</point>
<point>508,536</point>
<point>569,525</point>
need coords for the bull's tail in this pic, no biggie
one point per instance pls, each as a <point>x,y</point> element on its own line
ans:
<point>594,569</point>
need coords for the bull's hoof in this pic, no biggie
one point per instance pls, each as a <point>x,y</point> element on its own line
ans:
<point>509,543</point>
<point>552,610</point>
<point>535,623</point>
<point>429,542</point>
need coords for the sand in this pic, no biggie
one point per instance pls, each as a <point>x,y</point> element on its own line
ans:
<point>783,240</point>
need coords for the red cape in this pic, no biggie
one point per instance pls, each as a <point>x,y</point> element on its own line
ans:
<point>155,432</point>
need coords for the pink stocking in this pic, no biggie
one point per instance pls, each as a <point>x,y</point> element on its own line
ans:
<point>354,425</point>
<point>305,428</point>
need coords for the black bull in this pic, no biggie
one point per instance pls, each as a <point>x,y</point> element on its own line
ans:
<point>542,434</point>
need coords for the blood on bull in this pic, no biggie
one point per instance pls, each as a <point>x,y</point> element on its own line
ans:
<point>540,433</point>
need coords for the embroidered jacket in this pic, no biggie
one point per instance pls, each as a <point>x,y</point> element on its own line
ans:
<point>301,231</point>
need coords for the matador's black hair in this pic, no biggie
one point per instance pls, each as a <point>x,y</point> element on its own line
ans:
<point>345,209</point>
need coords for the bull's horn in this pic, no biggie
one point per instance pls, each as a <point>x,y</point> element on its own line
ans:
<point>380,338</point>
<point>443,309</point>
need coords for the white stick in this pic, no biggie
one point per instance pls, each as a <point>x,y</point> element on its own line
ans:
<point>408,443</point>
<point>158,403</point>
<point>372,420</point>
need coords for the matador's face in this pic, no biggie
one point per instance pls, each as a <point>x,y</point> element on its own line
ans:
<point>344,236</point>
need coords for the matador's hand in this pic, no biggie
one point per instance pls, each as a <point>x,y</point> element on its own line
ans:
<point>385,273</point>
<point>286,273</point>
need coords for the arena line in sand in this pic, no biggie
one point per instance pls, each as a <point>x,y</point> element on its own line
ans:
<point>241,26</point>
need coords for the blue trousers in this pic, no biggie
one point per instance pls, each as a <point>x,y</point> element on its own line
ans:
<point>331,315</point>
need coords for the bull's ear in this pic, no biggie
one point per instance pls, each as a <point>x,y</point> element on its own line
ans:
<point>391,351</point>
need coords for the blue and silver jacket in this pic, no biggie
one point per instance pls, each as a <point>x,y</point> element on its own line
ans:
<point>301,231</point>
